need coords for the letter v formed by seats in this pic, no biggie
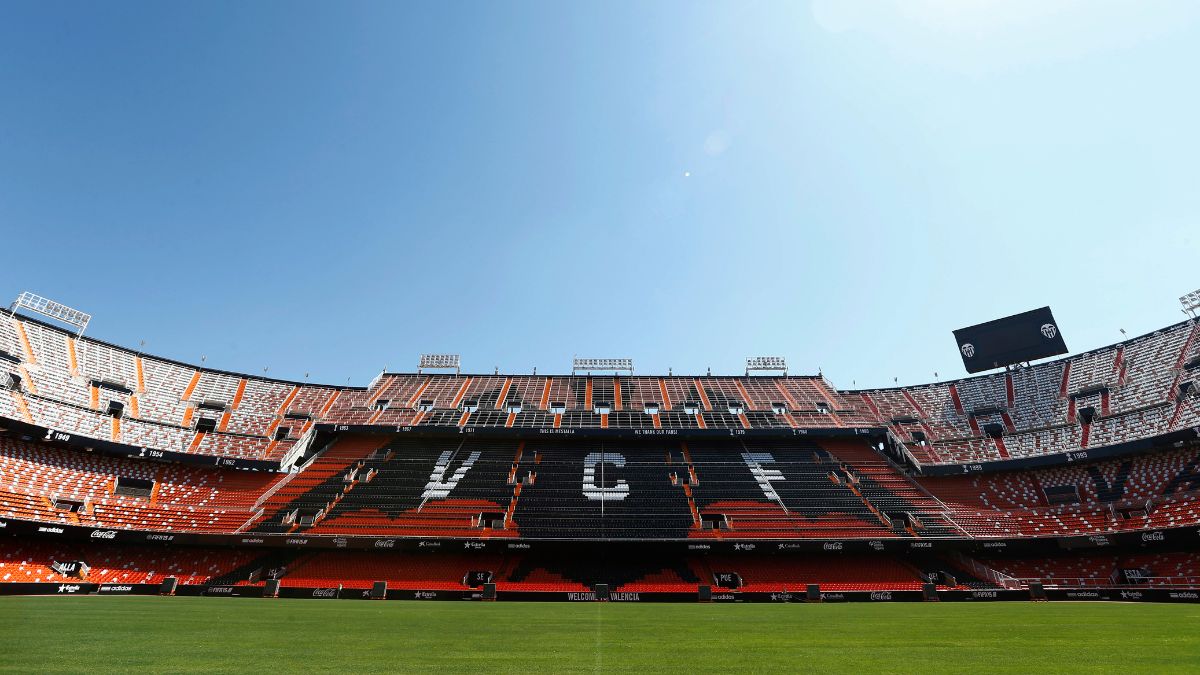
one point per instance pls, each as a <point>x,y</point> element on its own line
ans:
<point>439,487</point>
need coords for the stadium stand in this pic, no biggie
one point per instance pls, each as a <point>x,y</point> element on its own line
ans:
<point>69,383</point>
<point>1102,569</point>
<point>412,572</point>
<point>842,573</point>
<point>500,488</point>
<point>625,490</point>
<point>34,562</point>
<point>1132,386</point>
<point>643,484</point>
<point>52,484</point>
<point>1141,492</point>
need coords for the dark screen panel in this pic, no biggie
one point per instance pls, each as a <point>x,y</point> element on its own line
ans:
<point>1014,339</point>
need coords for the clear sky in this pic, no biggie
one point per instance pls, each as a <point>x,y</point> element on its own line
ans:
<point>331,188</point>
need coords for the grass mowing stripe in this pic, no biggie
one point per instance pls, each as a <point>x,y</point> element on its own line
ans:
<point>113,634</point>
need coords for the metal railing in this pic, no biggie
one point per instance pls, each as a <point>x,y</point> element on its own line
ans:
<point>1096,582</point>
<point>981,571</point>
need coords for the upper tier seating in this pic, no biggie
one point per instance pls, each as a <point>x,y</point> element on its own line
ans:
<point>1131,386</point>
<point>68,383</point>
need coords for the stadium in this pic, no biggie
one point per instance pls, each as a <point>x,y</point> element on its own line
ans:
<point>521,337</point>
<point>126,473</point>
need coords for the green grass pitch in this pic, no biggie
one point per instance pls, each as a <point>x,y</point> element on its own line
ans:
<point>137,634</point>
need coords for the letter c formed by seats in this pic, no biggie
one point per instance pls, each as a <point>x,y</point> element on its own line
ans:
<point>594,492</point>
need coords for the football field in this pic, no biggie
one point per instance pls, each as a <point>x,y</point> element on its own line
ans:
<point>131,634</point>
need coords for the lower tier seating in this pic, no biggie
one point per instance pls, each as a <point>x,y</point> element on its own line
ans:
<point>833,573</point>
<point>30,561</point>
<point>409,572</point>
<point>580,569</point>
<point>1097,569</point>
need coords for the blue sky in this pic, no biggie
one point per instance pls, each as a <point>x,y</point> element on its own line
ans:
<point>331,188</point>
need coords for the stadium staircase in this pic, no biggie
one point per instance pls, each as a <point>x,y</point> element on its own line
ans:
<point>267,566</point>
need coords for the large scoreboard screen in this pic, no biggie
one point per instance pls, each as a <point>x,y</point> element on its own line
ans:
<point>1013,339</point>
